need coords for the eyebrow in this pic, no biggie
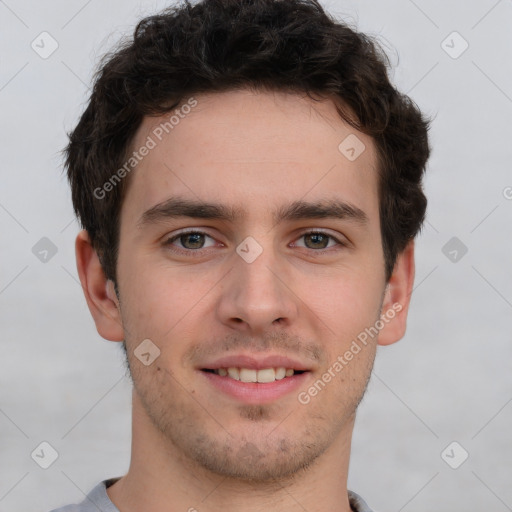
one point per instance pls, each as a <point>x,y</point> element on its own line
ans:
<point>176,207</point>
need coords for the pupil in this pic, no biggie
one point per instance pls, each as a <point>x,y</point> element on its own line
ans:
<point>196,239</point>
<point>316,237</point>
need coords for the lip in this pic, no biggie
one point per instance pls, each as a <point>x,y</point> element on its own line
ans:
<point>255,363</point>
<point>255,392</point>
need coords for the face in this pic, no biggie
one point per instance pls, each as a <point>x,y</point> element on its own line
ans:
<point>281,267</point>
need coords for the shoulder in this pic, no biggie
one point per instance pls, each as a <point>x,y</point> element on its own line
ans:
<point>357,504</point>
<point>96,499</point>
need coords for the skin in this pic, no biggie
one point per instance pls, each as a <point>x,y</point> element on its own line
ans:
<point>194,447</point>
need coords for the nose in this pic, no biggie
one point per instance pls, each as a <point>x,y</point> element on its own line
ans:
<point>257,296</point>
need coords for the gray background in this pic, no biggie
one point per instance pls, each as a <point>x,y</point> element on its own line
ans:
<point>448,380</point>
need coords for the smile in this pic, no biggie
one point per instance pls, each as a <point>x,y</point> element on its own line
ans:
<point>252,386</point>
<point>265,375</point>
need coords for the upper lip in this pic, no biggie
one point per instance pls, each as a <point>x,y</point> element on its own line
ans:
<point>255,363</point>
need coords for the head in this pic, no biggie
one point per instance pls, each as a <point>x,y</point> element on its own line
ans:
<point>239,112</point>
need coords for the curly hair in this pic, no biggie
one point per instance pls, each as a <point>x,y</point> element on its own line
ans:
<point>222,45</point>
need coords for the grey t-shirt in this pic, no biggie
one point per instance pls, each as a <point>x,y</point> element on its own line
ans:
<point>98,501</point>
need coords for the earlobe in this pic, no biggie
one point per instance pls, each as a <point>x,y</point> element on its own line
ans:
<point>397,297</point>
<point>99,292</point>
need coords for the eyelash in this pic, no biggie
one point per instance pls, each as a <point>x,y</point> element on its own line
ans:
<point>197,252</point>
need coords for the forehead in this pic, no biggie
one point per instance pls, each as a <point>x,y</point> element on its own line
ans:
<point>257,150</point>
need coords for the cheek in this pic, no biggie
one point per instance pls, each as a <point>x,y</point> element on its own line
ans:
<point>347,302</point>
<point>161,299</point>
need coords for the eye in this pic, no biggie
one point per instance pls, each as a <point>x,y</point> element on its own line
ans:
<point>189,240</point>
<point>319,240</point>
<point>193,241</point>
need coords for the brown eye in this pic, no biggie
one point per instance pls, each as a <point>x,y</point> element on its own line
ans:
<point>319,243</point>
<point>191,240</point>
<point>316,240</point>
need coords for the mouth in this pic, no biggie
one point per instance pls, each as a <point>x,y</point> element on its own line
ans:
<point>255,386</point>
<point>262,376</point>
<point>255,378</point>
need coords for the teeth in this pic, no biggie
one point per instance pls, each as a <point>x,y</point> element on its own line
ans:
<point>234,373</point>
<point>247,375</point>
<point>266,375</point>
<point>280,373</point>
<point>251,375</point>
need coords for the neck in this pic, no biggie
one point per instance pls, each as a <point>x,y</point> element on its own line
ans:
<point>163,479</point>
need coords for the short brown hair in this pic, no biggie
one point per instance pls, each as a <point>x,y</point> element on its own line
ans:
<point>222,45</point>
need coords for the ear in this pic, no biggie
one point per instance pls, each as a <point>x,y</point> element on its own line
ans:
<point>397,297</point>
<point>99,292</point>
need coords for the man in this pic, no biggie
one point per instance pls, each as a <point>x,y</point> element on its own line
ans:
<point>249,184</point>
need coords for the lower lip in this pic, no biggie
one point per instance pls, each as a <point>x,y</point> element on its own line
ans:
<point>256,392</point>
